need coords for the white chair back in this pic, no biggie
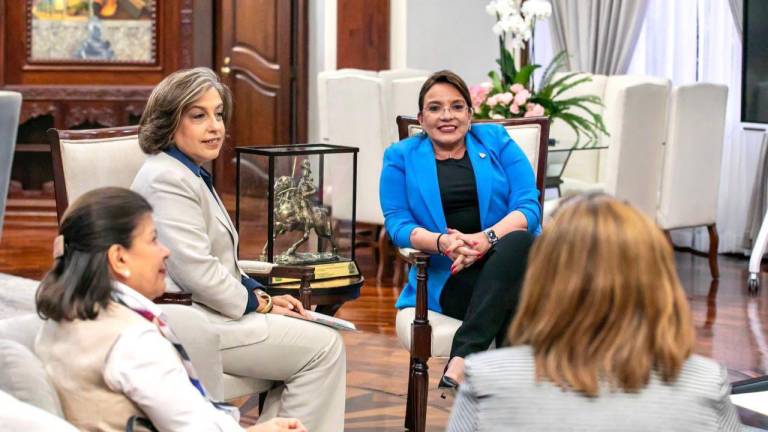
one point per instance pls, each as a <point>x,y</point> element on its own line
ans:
<point>694,147</point>
<point>84,160</point>
<point>322,95</point>
<point>91,164</point>
<point>354,119</point>
<point>637,124</point>
<point>10,106</point>
<point>400,94</point>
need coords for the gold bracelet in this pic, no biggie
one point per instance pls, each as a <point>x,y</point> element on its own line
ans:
<point>265,309</point>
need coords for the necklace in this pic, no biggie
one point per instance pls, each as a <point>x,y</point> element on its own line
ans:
<point>452,154</point>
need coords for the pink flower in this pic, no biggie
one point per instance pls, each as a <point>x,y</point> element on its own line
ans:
<point>522,97</point>
<point>533,110</point>
<point>516,88</point>
<point>505,98</point>
<point>478,93</point>
<point>492,101</point>
<point>514,108</point>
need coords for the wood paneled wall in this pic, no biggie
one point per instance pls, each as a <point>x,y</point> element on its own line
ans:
<point>363,34</point>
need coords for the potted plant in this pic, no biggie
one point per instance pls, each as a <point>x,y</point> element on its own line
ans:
<point>511,93</point>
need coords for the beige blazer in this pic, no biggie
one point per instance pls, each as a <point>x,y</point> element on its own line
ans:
<point>193,223</point>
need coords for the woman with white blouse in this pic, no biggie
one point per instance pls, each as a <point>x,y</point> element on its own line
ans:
<point>105,345</point>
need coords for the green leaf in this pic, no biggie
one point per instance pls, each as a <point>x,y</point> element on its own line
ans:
<point>566,86</point>
<point>557,63</point>
<point>524,75</point>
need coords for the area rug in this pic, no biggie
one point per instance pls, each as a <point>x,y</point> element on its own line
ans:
<point>17,295</point>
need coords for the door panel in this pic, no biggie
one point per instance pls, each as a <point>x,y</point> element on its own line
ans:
<point>259,43</point>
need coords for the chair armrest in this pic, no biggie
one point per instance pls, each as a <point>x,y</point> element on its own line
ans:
<point>201,342</point>
<point>410,255</point>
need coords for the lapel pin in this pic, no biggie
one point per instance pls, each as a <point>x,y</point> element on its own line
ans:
<point>482,155</point>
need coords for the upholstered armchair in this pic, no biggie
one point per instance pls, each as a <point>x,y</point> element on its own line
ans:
<point>635,116</point>
<point>426,333</point>
<point>10,105</point>
<point>691,172</point>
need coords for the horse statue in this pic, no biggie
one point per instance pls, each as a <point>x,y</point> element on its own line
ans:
<point>294,211</point>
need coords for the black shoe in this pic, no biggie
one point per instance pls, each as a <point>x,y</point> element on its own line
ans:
<point>447,383</point>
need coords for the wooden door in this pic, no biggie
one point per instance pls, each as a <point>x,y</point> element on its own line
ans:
<point>261,56</point>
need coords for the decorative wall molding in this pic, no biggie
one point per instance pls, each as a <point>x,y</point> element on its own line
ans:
<point>77,115</point>
<point>31,110</point>
<point>95,93</point>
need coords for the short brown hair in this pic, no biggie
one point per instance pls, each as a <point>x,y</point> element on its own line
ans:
<point>601,301</point>
<point>170,99</point>
<point>446,77</point>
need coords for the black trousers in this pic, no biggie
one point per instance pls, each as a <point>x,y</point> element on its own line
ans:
<point>485,295</point>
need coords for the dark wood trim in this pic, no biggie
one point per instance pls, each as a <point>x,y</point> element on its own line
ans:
<point>82,92</point>
<point>711,254</point>
<point>301,74</point>
<point>403,122</point>
<point>362,29</point>
<point>54,138</point>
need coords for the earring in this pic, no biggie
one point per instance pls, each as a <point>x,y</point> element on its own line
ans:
<point>127,274</point>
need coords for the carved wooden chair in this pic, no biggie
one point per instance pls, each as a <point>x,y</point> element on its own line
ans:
<point>427,333</point>
<point>84,160</point>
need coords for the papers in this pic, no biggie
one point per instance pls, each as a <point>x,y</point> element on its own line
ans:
<point>255,267</point>
<point>327,320</point>
<point>757,401</point>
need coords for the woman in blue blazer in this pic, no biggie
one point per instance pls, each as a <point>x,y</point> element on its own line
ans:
<point>467,194</point>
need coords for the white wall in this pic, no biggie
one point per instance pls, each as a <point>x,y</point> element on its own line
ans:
<point>451,34</point>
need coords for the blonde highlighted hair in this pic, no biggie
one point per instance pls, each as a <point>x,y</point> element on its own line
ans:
<point>601,301</point>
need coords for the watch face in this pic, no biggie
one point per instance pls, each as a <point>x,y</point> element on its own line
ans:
<point>491,234</point>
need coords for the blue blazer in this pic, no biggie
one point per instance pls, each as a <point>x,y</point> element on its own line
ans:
<point>410,195</point>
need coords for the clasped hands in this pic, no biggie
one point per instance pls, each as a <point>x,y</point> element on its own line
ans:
<point>463,249</point>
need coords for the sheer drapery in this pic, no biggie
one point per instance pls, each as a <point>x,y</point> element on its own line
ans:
<point>737,11</point>
<point>702,44</point>
<point>599,35</point>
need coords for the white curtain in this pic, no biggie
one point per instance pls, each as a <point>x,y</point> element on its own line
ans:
<point>737,10</point>
<point>700,42</point>
<point>599,35</point>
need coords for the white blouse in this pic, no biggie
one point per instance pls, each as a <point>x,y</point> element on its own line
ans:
<point>145,367</point>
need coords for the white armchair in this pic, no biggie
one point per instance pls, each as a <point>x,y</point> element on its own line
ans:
<point>691,174</point>
<point>10,105</point>
<point>634,112</point>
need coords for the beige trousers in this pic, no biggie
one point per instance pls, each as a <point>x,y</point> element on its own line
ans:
<point>309,361</point>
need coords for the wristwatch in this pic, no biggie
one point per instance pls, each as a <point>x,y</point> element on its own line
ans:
<point>491,236</point>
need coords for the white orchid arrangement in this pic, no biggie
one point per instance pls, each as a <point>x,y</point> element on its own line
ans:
<point>517,20</point>
<point>511,93</point>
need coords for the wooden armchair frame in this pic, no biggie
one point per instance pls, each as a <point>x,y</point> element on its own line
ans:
<point>421,329</point>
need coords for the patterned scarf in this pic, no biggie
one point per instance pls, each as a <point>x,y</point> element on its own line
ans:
<point>161,323</point>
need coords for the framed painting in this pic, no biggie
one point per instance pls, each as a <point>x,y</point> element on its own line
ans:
<point>92,31</point>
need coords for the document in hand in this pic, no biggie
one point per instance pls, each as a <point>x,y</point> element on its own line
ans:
<point>327,320</point>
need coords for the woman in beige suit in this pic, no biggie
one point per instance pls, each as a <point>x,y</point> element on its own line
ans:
<point>182,128</point>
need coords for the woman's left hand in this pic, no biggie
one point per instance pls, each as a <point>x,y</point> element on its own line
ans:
<point>291,303</point>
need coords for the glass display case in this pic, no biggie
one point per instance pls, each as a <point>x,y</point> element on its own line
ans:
<point>296,206</point>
